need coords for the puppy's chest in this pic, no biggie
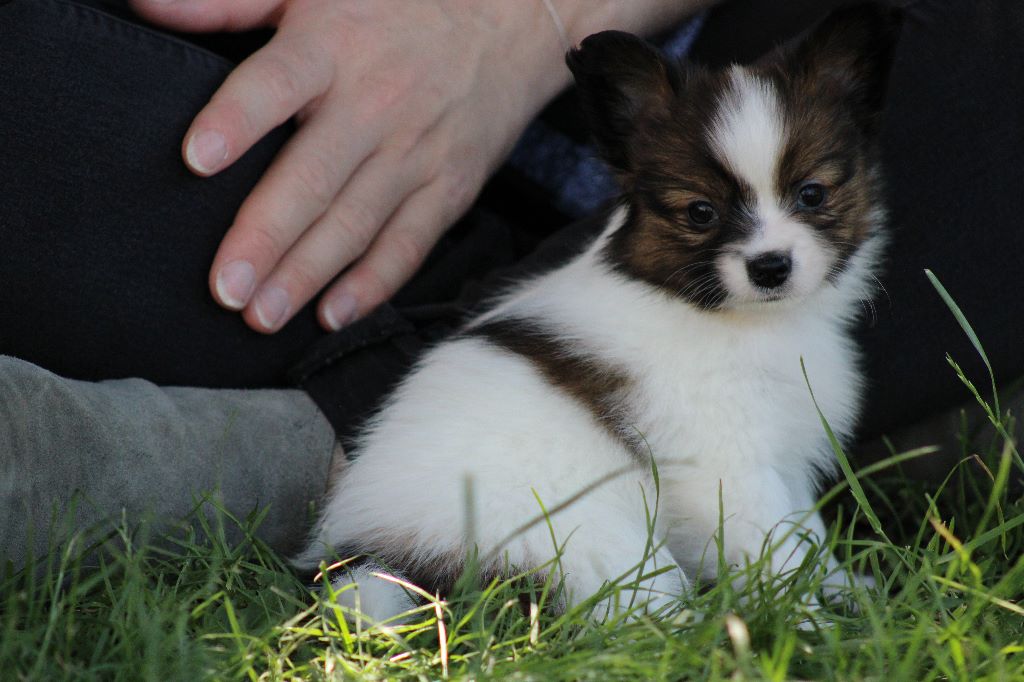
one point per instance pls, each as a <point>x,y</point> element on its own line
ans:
<point>743,402</point>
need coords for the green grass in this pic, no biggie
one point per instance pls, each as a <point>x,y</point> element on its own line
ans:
<point>948,558</point>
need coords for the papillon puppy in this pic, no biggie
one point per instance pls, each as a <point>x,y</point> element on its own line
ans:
<point>614,413</point>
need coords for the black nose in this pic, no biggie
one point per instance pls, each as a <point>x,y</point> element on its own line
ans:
<point>770,270</point>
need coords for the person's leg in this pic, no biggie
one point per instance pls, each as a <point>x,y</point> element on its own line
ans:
<point>106,240</point>
<point>95,450</point>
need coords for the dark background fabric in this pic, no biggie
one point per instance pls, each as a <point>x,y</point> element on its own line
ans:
<point>107,238</point>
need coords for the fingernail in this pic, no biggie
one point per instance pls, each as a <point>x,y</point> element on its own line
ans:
<point>272,306</point>
<point>235,282</point>
<point>206,151</point>
<point>340,311</point>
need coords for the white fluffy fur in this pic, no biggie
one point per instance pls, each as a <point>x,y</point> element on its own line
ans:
<point>719,398</point>
<point>362,590</point>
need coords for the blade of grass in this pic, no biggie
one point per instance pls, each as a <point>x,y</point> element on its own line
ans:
<point>844,464</point>
<point>995,414</point>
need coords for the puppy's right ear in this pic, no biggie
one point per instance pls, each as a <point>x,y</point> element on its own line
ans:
<point>621,79</point>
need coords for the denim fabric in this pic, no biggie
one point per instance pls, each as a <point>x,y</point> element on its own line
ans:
<point>107,238</point>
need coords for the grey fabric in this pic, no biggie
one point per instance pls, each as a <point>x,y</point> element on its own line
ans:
<point>78,454</point>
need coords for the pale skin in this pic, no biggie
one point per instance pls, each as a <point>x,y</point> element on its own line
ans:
<point>404,109</point>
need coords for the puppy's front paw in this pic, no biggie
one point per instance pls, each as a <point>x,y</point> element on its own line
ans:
<point>654,587</point>
<point>362,592</point>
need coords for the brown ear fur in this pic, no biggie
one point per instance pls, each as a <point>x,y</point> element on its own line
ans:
<point>620,79</point>
<point>848,57</point>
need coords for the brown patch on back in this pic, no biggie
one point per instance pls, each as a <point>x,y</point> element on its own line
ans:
<point>600,388</point>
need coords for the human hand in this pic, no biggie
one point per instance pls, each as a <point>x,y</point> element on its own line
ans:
<point>404,107</point>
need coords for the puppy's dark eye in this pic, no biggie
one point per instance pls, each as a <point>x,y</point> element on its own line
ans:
<point>702,213</point>
<point>811,195</point>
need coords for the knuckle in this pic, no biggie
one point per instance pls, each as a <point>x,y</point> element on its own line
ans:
<point>382,275</point>
<point>375,286</point>
<point>282,80</point>
<point>314,178</point>
<point>264,239</point>
<point>382,97</point>
<point>407,146</point>
<point>458,191</point>
<point>305,277</point>
<point>408,253</point>
<point>357,222</point>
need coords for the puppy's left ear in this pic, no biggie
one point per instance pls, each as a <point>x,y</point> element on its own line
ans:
<point>850,54</point>
<point>621,79</point>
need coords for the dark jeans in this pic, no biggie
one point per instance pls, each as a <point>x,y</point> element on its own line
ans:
<point>107,239</point>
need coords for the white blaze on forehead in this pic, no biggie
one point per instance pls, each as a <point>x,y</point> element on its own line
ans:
<point>748,132</point>
<point>747,136</point>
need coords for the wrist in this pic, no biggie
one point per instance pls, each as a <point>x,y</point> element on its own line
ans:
<point>545,29</point>
<point>520,39</point>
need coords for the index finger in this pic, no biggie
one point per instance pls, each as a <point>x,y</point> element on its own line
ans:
<point>263,92</point>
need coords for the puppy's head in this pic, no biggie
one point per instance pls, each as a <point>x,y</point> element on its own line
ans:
<point>748,185</point>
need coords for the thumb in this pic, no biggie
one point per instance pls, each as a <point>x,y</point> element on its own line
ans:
<point>200,16</point>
